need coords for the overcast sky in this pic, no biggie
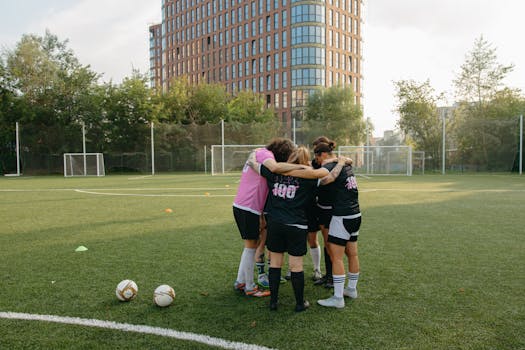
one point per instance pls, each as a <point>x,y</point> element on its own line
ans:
<point>403,39</point>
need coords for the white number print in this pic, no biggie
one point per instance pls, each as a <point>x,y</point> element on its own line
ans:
<point>284,191</point>
<point>351,183</point>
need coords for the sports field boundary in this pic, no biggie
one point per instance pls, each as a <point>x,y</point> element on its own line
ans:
<point>126,327</point>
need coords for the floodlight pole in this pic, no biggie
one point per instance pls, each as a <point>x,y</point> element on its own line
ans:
<point>152,150</point>
<point>84,147</point>
<point>205,161</point>
<point>17,151</point>
<point>367,148</point>
<point>222,144</point>
<point>295,143</point>
<point>521,143</point>
<point>443,142</point>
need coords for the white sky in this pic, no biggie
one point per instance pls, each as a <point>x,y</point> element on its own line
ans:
<point>403,39</point>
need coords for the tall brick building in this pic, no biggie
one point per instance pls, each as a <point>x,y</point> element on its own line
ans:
<point>282,49</point>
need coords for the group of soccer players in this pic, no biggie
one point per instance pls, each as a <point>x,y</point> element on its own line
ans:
<point>282,200</point>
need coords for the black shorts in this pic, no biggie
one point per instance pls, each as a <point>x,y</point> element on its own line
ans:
<point>289,239</point>
<point>325,215</point>
<point>312,215</point>
<point>247,223</point>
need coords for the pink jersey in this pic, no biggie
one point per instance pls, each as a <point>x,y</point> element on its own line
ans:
<point>253,189</point>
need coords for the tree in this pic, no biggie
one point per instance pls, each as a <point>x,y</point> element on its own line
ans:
<point>480,76</point>
<point>334,109</point>
<point>479,89</point>
<point>128,110</point>
<point>53,89</point>
<point>418,115</point>
<point>207,104</point>
<point>248,107</point>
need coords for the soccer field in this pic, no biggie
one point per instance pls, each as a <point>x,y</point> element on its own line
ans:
<point>442,266</point>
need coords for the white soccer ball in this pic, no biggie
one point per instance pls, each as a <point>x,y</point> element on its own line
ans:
<point>163,295</point>
<point>126,290</point>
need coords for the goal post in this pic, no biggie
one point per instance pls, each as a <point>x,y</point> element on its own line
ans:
<point>230,158</point>
<point>380,160</point>
<point>84,164</point>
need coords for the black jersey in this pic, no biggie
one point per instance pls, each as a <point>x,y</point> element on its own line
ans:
<point>346,198</point>
<point>288,197</point>
<point>325,193</point>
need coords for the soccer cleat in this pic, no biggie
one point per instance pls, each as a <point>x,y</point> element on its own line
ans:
<point>329,283</point>
<point>262,281</point>
<point>273,306</point>
<point>283,280</point>
<point>302,307</point>
<point>350,292</point>
<point>317,275</point>
<point>333,301</point>
<point>256,292</point>
<point>238,286</point>
<point>321,281</point>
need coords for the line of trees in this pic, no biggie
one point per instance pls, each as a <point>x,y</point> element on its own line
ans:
<point>482,125</point>
<point>45,88</point>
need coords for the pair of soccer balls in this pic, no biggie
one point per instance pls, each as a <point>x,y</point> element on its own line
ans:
<point>127,290</point>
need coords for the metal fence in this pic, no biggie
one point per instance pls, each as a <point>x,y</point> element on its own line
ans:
<point>491,146</point>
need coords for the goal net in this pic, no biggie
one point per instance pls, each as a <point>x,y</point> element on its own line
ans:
<point>379,160</point>
<point>230,158</point>
<point>84,164</point>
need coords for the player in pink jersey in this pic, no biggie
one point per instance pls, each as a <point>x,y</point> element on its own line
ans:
<point>248,207</point>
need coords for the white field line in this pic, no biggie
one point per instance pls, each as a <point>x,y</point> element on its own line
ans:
<point>121,189</point>
<point>153,195</point>
<point>140,177</point>
<point>126,327</point>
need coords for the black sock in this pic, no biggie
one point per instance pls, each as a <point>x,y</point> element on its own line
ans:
<point>298,287</point>
<point>274,277</point>
<point>260,267</point>
<point>327,263</point>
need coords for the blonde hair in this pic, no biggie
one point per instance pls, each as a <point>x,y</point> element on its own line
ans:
<point>301,155</point>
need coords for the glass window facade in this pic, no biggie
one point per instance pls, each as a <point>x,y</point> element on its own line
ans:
<point>308,55</point>
<point>308,13</point>
<point>308,35</point>
<point>308,77</point>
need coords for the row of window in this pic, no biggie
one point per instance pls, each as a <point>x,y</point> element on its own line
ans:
<point>242,13</point>
<point>300,14</point>
<point>231,71</point>
<point>308,13</point>
<point>308,35</point>
<point>308,77</point>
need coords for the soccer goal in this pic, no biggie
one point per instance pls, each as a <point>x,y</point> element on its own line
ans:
<point>230,158</point>
<point>84,164</point>
<point>379,160</point>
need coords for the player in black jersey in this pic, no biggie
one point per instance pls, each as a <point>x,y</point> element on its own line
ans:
<point>342,237</point>
<point>323,151</point>
<point>287,223</point>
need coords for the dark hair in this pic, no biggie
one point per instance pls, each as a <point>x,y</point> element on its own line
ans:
<point>281,148</point>
<point>321,139</point>
<point>327,147</point>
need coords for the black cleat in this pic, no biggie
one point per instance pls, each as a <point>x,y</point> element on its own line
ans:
<point>273,306</point>
<point>302,307</point>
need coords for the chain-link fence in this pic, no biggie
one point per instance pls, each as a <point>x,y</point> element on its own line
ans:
<point>481,146</point>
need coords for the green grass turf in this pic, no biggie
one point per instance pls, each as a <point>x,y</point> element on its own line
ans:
<point>442,265</point>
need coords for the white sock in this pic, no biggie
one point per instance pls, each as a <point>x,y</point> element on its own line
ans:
<point>352,280</point>
<point>316,257</point>
<point>248,262</point>
<point>240,273</point>
<point>339,285</point>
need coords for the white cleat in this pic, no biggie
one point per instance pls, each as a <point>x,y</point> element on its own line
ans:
<point>350,293</point>
<point>333,301</point>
